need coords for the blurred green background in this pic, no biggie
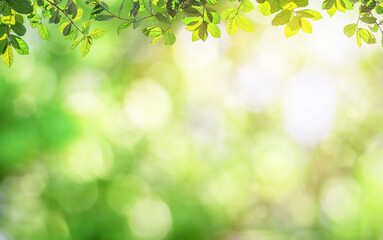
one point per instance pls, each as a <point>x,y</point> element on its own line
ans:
<point>250,137</point>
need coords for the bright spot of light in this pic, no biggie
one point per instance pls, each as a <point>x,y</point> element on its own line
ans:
<point>150,219</point>
<point>84,103</point>
<point>87,159</point>
<point>195,56</point>
<point>147,105</point>
<point>310,106</point>
<point>372,164</point>
<point>341,199</point>
<point>255,88</point>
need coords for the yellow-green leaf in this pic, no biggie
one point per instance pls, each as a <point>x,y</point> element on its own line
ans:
<point>340,6</point>
<point>290,6</point>
<point>44,32</point>
<point>80,12</point>
<point>332,11</point>
<point>86,26</point>
<point>214,30</point>
<point>282,18</point>
<point>292,27</point>
<point>24,49</point>
<point>358,39</point>
<point>305,25</point>
<point>96,34</point>
<point>229,13</point>
<point>308,13</point>
<point>169,38</point>
<point>265,8</point>
<point>85,47</point>
<point>366,36</point>
<point>247,6</point>
<point>244,24</point>
<point>76,43</point>
<point>195,36</point>
<point>8,56</point>
<point>350,29</point>
<point>192,26</point>
<point>231,27</point>
<point>61,29</point>
<point>156,39</point>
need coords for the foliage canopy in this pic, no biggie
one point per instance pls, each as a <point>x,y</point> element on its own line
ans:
<point>199,16</point>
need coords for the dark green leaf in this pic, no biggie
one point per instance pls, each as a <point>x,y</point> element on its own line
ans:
<point>19,29</point>
<point>21,6</point>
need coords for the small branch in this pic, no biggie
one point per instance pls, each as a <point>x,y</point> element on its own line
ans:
<point>143,1</point>
<point>66,15</point>
<point>239,7</point>
<point>357,22</point>
<point>377,24</point>
<point>178,10</point>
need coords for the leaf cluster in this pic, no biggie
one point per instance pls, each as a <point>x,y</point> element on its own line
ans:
<point>156,18</point>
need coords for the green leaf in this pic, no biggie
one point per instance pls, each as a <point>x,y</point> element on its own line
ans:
<point>14,42</point>
<point>292,27</point>
<point>86,26</point>
<point>156,39</point>
<point>202,31</point>
<point>231,27</point>
<point>152,31</point>
<point>170,8</point>
<point>195,36</point>
<point>192,26</point>
<point>366,36</point>
<point>76,43</point>
<point>103,17</point>
<point>308,13</point>
<point>332,11</point>
<point>247,6</point>
<point>169,38</point>
<point>80,12</point>
<point>19,29</point>
<point>162,18</point>
<point>328,4</point>
<point>358,39</point>
<point>212,2</point>
<point>3,44</point>
<point>135,9</point>
<point>214,30</point>
<point>85,47</point>
<point>374,28</point>
<point>123,26</point>
<point>229,13</point>
<point>282,18</point>
<point>301,3</point>
<point>98,33</point>
<point>368,20</point>
<point>350,29</point>
<point>21,6</point>
<point>244,24</point>
<point>305,25</point>
<point>44,32</point>
<point>8,56</point>
<point>23,46</point>
<point>67,29</point>
<point>265,8</point>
